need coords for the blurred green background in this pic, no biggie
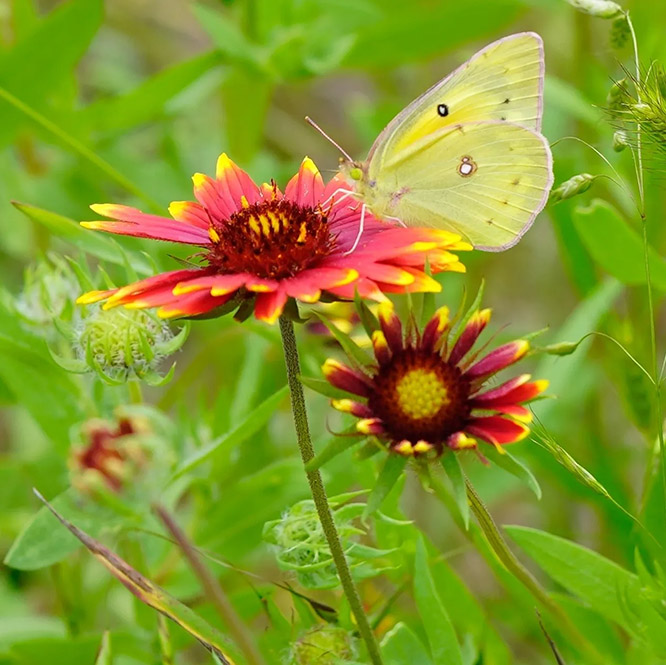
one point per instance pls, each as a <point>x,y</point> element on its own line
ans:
<point>122,101</point>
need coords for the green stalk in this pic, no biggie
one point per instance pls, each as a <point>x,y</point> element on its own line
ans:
<point>640,178</point>
<point>516,568</point>
<point>319,492</point>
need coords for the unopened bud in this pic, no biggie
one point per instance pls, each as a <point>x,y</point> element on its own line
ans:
<point>573,187</point>
<point>598,8</point>
<point>323,645</point>
<point>561,348</point>
<point>617,96</point>
<point>620,140</point>
<point>120,343</point>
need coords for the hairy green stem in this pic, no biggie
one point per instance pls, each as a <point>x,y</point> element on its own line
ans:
<point>237,629</point>
<point>319,492</point>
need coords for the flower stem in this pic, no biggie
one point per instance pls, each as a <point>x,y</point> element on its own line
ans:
<point>516,568</point>
<point>237,629</point>
<point>319,492</point>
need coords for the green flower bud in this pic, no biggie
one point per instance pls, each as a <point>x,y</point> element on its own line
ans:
<point>120,343</point>
<point>322,645</point>
<point>598,8</point>
<point>301,544</point>
<point>620,140</point>
<point>49,288</point>
<point>561,348</point>
<point>573,187</point>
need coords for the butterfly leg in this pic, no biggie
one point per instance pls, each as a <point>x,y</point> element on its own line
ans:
<point>360,230</point>
<point>346,194</point>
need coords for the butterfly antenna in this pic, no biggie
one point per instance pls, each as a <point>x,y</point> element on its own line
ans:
<point>312,123</point>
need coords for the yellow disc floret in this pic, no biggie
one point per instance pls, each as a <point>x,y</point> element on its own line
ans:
<point>421,394</point>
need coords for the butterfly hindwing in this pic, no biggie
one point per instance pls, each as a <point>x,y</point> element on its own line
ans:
<point>486,181</point>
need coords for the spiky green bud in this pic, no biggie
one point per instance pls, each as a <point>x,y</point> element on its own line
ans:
<point>323,645</point>
<point>121,343</point>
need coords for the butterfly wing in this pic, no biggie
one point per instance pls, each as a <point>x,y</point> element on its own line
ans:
<point>503,81</point>
<point>486,181</point>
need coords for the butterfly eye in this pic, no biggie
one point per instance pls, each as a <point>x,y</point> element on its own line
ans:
<point>356,174</point>
<point>443,110</point>
<point>467,166</point>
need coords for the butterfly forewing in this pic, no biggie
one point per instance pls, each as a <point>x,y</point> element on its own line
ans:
<point>486,181</point>
<point>502,82</point>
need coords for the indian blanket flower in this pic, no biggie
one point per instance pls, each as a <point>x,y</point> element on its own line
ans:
<point>428,391</point>
<point>260,243</point>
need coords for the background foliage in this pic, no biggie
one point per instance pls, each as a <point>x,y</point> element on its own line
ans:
<point>122,101</point>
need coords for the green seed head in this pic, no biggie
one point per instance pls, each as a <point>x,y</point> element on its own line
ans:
<point>322,645</point>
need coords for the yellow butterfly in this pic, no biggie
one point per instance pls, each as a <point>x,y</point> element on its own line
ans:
<point>467,155</point>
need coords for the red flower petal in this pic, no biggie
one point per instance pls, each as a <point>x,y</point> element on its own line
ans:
<point>345,378</point>
<point>350,406</point>
<point>189,212</point>
<point>234,184</point>
<point>498,359</point>
<point>306,187</point>
<point>435,329</point>
<point>496,429</point>
<point>161,282</point>
<point>469,335</point>
<point>133,222</point>
<point>514,391</point>
<point>191,305</point>
<point>269,306</point>
<point>391,326</point>
<point>381,347</point>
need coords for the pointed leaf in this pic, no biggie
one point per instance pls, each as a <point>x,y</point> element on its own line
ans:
<point>505,460</point>
<point>393,467</point>
<point>350,347</point>
<point>444,646</point>
<point>402,646</point>
<point>150,593</point>
<point>454,471</point>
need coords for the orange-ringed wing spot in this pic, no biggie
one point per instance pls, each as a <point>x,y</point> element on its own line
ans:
<point>467,166</point>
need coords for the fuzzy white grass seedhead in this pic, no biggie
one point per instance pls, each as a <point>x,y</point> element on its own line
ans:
<point>598,8</point>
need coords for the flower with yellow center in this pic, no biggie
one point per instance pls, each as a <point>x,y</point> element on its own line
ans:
<point>428,392</point>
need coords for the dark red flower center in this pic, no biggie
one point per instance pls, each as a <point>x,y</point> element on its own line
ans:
<point>419,396</point>
<point>271,239</point>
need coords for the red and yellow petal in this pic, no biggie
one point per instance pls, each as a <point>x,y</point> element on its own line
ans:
<point>496,429</point>
<point>498,359</point>
<point>191,213</point>
<point>353,407</point>
<point>381,348</point>
<point>461,441</point>
<point>370,426</point>
<point>475,326</point>
<point>269,306</point>
<point>306,187</point>
<point>133,222</point>
<point>344,378</point>
<point>514,391</point>
<point>435,330</point>
<point>94,296</point>
<point>191,304</point>
<point>234,184</point>
<point>391,326</point>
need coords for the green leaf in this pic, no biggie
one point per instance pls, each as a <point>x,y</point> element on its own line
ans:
<point>615,246</point>
<point>333,448</point>
<point>402,646</point>
<point>454,471</point>
<point>152,595</point>
<point>44,542</point>
<point>350,347</point>
<point>436,622</point>
<point>513,466</point>
<point>323,387</point>
<point>145,102</point>
<point>388,476</point>
<point>105,655</point>
<point>598,581</point>
<point>102,246</point>
<point>51,396</point>
<point>248,427</point>
<point>37,64</point>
